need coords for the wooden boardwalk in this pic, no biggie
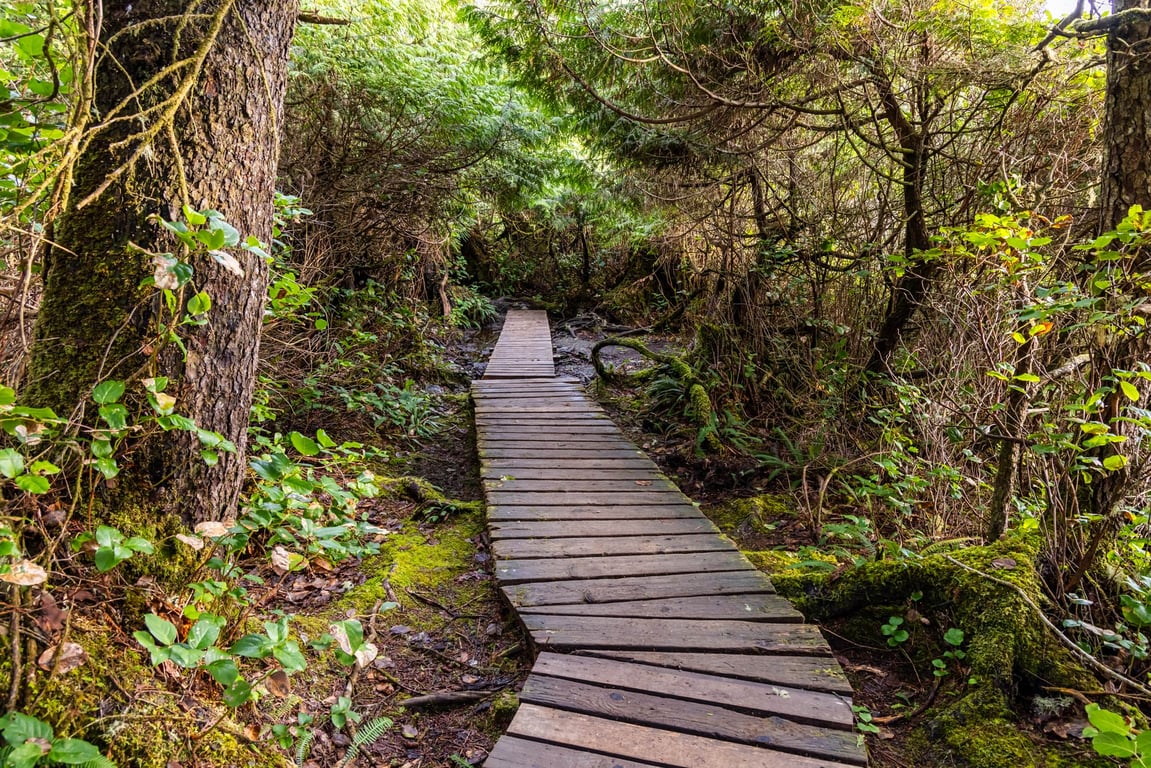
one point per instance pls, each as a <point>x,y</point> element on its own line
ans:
<point>659,643</point>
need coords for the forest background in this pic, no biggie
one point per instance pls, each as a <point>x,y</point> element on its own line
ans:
<point>889,258</point>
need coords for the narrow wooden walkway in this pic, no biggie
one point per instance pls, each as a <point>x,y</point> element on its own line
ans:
<point>659,643</point>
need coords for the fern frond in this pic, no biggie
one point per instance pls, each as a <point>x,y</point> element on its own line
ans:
<point>99,762</point>
<point>304,746</point>
<point>372,731</point>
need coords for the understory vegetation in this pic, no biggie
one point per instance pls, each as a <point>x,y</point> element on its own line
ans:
<point>869,278</point>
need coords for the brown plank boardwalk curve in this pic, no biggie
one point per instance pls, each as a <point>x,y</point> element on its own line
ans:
<point>659,644</point>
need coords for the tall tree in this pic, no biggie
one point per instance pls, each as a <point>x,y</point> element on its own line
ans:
<point>185,106</point>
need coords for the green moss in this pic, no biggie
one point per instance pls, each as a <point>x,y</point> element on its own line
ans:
<point>777,560</point>
<point>411,558</point>
<point>1007,646</point>
<point>114,702</point>
<point>750,513</point>
<point>504,709</point>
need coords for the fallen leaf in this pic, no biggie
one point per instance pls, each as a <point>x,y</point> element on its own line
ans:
<point>25,573</point>
<point>195,542</point>
<point>340,635</point>
<point>278,684</point>
<point>410,731</point>
<point>1004,563</point>
<point>72,656</point>
<point>213,529</point>
<point>51,618</point>
<point>365,654</point>
<point>282,560</point>
<point>643,482</point>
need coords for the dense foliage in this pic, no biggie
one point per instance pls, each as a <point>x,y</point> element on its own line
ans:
<point>876,236</point>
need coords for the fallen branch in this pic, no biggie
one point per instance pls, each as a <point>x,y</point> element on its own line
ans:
<point>446,699</point>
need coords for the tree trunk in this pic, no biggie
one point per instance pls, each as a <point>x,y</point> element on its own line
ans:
<point>218,151</point>
<point>911,288</point>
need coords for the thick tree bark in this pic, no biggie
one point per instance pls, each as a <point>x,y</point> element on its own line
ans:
<point>220,152</point>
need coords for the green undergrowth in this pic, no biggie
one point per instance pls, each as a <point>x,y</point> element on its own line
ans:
<point>1009,655</point>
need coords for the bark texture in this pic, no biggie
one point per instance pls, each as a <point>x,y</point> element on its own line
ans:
<point>96,321</point>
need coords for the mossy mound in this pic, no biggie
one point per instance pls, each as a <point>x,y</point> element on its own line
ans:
<point>116,702</point>
<point>1008,649</point>
<point>739,516</point>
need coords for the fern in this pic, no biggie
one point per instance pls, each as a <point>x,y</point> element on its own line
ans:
<point>369,734</point>
<point>99,762</point>
<point>281,710</point>
<point>304,746</point>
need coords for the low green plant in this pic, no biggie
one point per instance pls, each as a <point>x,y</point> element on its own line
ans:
<point>30,742</point>
<point>894,632</point>
<point>941,665</point>
<point>1111,735</point>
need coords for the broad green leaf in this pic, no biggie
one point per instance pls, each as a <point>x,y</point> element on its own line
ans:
<point>33,484</point>
<point>11,463</point>
<point>251,647</point>
<point>1106,720</point>
<point>225,672</point>
<point>161,629</point>
<point>1130,390</point>
<point>73,752</point>
<point>237,694</point>
<point>108,392</point>
<point>305,445</point>
<point>114,415</point>
<point>1115,463</point>
<point>1111,744</point>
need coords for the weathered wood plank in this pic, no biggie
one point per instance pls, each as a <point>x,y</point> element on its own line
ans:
<point>570,633</point>
<point>570,474</point>
<point>551,435</point>
<point>551,569</point>
<point>510,512</point>
<point>701,719</point>
<point>812,707</point>
<point>577,592</point>
<point>731,607</point>
<point>816,674</point>
<point>589,528</point>
<point>651,545</point>
<point>570,446</point>
<point>657,745</point>
<point>646,497</point>
<point>522,484</point>
<point>499,463</point>
<point>526,452</point>
<point>510,752</point>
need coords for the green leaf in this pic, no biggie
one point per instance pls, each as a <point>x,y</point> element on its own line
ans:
<point>1111,744</point>
<point>11,463</point>
<point>211,458</point>
<point>251,647</point>
<point>305,445</point>
<point>33,484</point>
<point>1115,462</point>
<point>161,629</point>
<point>953,636</point>
<point>199,304</point>
<point>108,468</point>
<point>237,694</point>
<point>114,415</point>
<point>204,633</point>
<point>1106,720</point>
<point>108,392</point>
<point>106,559</point>
<point>324,440</point>
<point>24,756</point>
<point>7,395</point>
<point>19,727</point>
<point>194,217</point>
<point>225,672</point>
<point>73,752</point>
<point>1130,390</point>
<point>289,655</point>
<point>140,544</point>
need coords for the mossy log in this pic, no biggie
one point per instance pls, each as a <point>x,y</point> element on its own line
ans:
<point>1009,650</point>
<point>699,406</point>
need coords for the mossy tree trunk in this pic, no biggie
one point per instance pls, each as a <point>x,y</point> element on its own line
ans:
<point>204,92</point>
